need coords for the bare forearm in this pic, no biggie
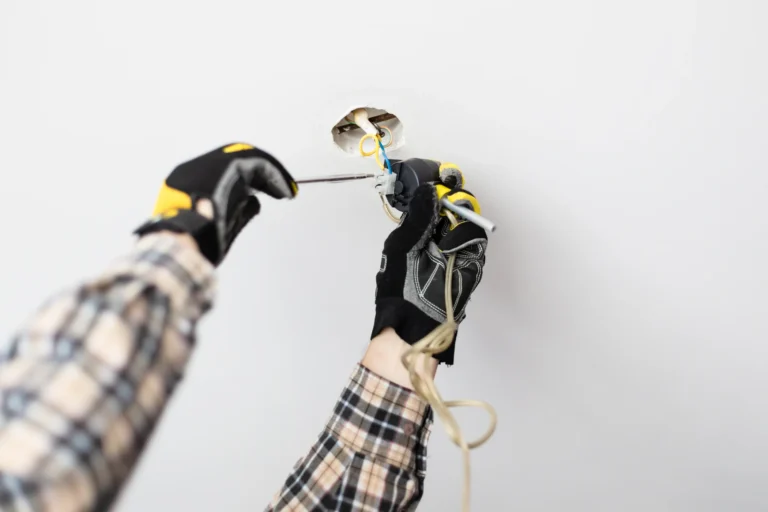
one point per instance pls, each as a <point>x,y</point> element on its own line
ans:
<point>384,354</point>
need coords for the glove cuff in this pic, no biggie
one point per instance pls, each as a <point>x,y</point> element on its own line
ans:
<point>199,227</point>
<point>409,322</point>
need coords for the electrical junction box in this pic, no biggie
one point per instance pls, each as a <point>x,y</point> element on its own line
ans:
<point>347,133</point>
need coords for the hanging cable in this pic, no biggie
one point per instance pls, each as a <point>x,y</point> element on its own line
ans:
<point>437,341</point>
<point>424,385</point>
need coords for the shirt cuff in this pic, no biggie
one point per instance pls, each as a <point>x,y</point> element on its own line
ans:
<point>382,420</point>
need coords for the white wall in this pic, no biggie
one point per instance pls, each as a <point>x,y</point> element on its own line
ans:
<point>620,146</point>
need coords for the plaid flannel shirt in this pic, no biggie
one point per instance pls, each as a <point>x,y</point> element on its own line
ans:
<point>85,381</point>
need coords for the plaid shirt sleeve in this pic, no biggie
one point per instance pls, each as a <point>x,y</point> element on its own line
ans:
<point>370,457</point>
<point>83,384</point>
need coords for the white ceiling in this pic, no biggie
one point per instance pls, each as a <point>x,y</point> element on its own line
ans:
<point>620,147</point>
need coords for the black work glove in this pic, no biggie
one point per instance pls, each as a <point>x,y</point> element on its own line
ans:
<point>228,177</point>
<point>410,285</point>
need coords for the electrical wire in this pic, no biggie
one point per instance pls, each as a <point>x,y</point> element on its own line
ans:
<point>424,385</point>
<point>437,341</point>
<point>378,150</point>
<point>384,154</point>
<point>388,210</point>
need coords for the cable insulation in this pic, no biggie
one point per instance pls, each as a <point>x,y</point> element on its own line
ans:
<point>424,385</point>
<point>437,341</point>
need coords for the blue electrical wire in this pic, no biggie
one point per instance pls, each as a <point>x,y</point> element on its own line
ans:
<point>386,158</point>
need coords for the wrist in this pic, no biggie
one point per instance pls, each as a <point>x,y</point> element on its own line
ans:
<point>384,354</point>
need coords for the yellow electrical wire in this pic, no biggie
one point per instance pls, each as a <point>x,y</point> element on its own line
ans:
<point>375,152</point>
<point>437,341</point>
<point>364,138</point>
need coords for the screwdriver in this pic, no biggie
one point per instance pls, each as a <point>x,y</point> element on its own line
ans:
<point>466,213</point>
<point>335,178</point>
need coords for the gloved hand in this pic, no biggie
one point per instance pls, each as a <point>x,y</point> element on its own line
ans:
<point>227,177</point>
<point>410,285</point>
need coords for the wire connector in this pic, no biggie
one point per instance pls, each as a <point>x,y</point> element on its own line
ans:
<point>385,183</point>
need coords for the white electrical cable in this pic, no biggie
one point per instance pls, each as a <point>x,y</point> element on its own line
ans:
<point>360,116</point>
<point>424,385</point>
<point>440,338</point>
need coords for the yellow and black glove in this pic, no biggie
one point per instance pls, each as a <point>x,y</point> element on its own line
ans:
<point>228,177</point>
<point>410,284</point>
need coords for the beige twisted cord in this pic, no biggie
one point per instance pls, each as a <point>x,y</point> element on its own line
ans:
<point>433,343</point>
<point>424,385</point>
<point>388,210</point>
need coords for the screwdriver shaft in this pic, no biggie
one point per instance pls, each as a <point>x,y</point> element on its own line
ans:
<point>465,213</point>
<point>334,178</point>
